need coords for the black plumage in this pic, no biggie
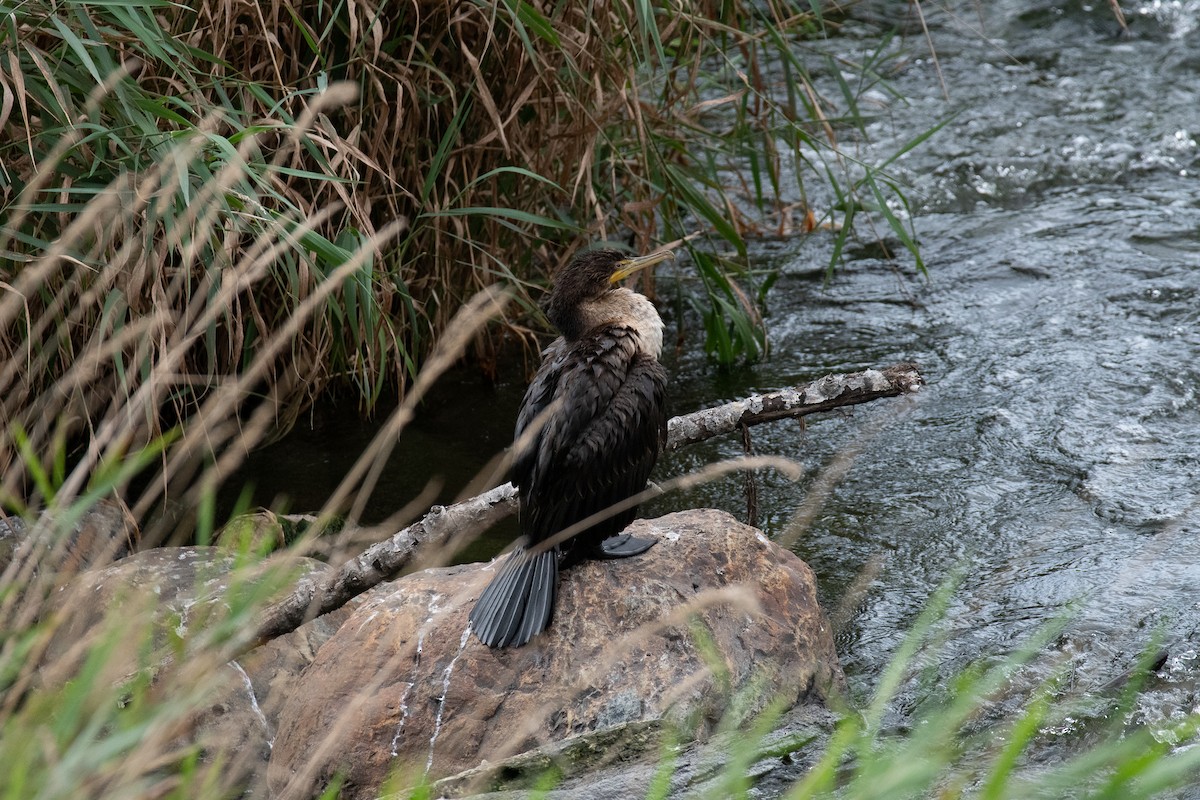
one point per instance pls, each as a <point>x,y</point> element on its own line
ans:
<point>589,431</point>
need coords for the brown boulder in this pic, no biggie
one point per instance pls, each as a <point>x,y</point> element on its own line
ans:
<point>715,619</point>
<point>101,535</point>
<point>181,603</point>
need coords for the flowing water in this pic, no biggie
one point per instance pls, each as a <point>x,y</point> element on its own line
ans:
<point>1054,456</point>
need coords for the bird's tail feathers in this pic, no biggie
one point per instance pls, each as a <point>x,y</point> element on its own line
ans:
<point>519,602</point>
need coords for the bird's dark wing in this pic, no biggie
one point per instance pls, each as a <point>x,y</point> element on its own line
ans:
<point>600,440</point>
<point>538,399</point>
<point>589,431</point>
<point>618,450</point>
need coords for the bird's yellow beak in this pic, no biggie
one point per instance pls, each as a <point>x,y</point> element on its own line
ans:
<point>628,266</point>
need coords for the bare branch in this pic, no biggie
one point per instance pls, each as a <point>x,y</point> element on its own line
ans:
<point>318,594</point>
<point>315,595</point>
<point>825,394</point>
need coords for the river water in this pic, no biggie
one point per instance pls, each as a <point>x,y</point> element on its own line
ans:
<point>1054,456</point>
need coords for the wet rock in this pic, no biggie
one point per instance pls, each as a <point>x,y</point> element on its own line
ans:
<point>626,761</point>
<point>264,531</point>
<point>12,531</point>
<point>106,532</point>
<point>713,621</point>
<point>258,532</point>
<point>164,602</point>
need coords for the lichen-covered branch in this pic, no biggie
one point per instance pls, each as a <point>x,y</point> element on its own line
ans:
<point>825,394</point>
<point>320,594</point>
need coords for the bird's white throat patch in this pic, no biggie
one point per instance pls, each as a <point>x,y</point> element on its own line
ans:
<point>626,307</point>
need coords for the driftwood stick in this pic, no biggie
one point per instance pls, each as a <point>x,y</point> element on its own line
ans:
<point>825,394</point>
<point>319,594</point>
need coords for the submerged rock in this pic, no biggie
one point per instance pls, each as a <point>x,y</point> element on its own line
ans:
<point>715,620</point>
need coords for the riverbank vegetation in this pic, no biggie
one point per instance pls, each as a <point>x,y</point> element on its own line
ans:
<point>320,189</point>
<point>211,214</point>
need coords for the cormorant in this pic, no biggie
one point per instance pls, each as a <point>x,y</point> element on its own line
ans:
<point>589,431</point>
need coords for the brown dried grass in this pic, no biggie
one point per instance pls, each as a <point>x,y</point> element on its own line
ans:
<point>227,188</point>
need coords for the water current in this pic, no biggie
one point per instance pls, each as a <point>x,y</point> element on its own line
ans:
<point>1054,457</point>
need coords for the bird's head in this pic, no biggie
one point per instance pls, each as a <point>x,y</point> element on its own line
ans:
<point>587,279</point>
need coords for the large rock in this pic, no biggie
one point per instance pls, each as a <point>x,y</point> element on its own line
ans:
<point>104,533</point>
<point>184,606</point>
<point>403,688</point>
<point>584,766</point>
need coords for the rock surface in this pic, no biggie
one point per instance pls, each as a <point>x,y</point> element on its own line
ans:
<point>714,620</point>
<point>105,533</point>
<point>168,597</point>
<point>585,768</point>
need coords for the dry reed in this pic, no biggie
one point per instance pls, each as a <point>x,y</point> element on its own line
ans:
<point>152,152</point>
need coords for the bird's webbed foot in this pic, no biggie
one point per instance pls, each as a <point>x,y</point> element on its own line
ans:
<point>622,546</point>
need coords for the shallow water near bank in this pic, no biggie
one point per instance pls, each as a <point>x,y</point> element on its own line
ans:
<point>1054,456</point>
